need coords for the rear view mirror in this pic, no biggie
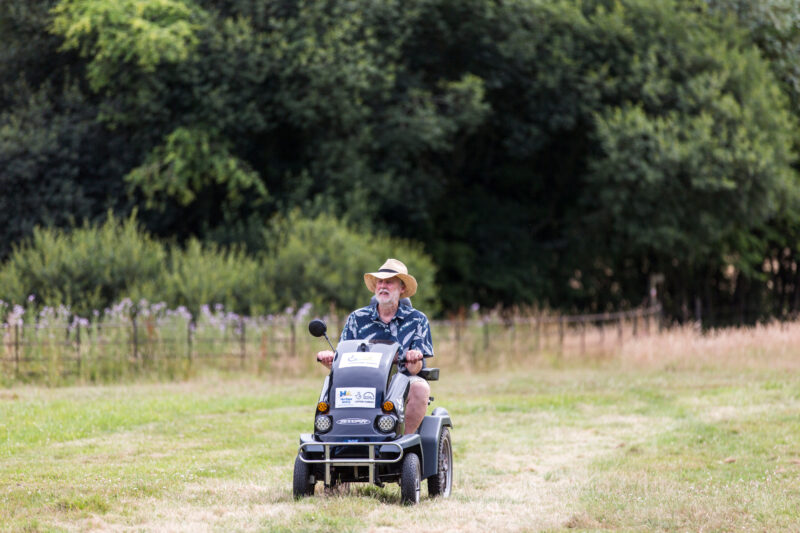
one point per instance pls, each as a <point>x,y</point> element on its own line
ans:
<point>317,327</point>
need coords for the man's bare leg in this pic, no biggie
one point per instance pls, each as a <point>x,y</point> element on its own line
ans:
<point>416,404</point>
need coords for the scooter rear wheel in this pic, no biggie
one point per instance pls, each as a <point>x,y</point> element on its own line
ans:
<point>441,483</point>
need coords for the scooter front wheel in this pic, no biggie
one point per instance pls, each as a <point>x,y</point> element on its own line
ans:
<point>302,485</point>
<point>410,480</point>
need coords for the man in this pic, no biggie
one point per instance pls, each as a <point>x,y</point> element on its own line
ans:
<point>387,319</point>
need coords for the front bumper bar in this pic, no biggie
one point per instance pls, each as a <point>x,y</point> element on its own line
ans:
<point>308,445</point>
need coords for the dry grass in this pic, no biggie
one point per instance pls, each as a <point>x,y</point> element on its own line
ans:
<point>775,346</point>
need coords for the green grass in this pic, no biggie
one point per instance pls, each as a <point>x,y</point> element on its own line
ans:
<point>546,449</point>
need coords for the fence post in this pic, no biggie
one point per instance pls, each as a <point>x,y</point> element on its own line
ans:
<point>78,346</point>
<point>486,333</point>
<point>189,340</point>
<point>561,334</point>
<point>243,340</point>
<point>698,312</point>
<point>602,326</point>
<point>620,333</point>
<point>583,335</point>
<point>135,337</point>
<point>538,334</point>
<point>635,322</point>
<point>292,339</point>
<point>16,350</point>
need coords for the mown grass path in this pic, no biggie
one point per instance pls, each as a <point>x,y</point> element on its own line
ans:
<point>597,447</point>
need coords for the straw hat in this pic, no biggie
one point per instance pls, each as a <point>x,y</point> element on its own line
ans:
<point>392,268</point>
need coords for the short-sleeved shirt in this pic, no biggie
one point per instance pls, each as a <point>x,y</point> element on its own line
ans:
<point>409,328</point>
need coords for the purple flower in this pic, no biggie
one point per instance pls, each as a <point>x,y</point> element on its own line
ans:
<point>303,311</point>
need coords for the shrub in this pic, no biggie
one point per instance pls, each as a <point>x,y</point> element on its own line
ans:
<point>209,274</point>
<point>318,260</point>
<point>322,261</point>
<point>86,269</point>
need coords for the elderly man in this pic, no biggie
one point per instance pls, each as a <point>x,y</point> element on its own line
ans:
<point>389,319</point>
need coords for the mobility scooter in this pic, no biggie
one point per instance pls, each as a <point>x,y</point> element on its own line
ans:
<point>359,425</point>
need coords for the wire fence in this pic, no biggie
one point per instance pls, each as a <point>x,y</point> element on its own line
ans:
<point>176,346</point>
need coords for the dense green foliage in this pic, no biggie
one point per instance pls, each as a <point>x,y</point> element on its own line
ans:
<point>556,153</point>
<point>321,260</point>
<point>304,261</point>
<point>86,269</point>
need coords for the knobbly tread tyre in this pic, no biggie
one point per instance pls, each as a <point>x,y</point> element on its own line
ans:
<point>301,485</point>
<point>441,483</point>
<point>410,479</point>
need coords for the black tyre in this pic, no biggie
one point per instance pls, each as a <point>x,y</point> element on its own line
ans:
<point>303,484</point>
<point>441,483</point>
<point>410,480</point>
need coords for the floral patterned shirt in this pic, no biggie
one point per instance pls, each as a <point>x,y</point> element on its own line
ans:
<point>409,328</point>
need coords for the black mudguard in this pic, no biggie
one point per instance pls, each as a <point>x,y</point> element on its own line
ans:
<point>429,432</point>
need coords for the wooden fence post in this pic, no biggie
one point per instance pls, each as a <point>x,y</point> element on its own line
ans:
<point>583,336</point>
<point>78,346</point>
<point>189,341</point>
<point>135,337</point>
<point>698,312</point>
<point>602,325</point>
<point>293,339</point>
<point>16,350</point>
<point>243,340</point>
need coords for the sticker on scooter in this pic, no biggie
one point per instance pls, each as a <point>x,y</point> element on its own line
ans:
<point>355,397</point>
<point>365,359</point>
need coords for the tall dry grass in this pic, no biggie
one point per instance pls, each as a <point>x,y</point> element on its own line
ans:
<point>775,345</point>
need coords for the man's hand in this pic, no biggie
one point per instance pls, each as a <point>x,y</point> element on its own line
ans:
<point>413,361</point>
<point>325,357</point>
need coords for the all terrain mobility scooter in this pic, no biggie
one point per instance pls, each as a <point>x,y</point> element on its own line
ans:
<point>359,424</point>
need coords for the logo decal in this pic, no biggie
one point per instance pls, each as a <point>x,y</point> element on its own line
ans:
<point>353,421</point>
<point>362,359</point>
<point>355,397</point>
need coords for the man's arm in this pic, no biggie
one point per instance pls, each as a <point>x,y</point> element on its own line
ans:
<point>421,345</point>
<point>326,356</point>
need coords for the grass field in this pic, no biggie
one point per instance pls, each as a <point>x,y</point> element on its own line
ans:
<point>677,432</point>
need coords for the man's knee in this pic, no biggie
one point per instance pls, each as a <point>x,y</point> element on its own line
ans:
<point>420,391</point>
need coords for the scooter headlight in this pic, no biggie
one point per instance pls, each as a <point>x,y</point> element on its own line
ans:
<point>323,423</point>
<point>386,423</point>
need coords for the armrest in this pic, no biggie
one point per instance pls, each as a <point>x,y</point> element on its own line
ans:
<point>430,374</point>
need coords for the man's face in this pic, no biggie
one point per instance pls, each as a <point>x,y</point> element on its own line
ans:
<point>388,290</point>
